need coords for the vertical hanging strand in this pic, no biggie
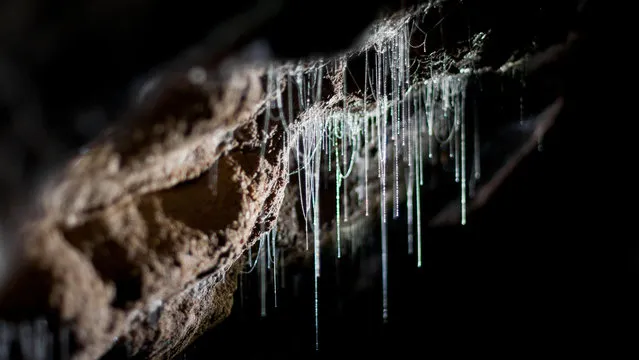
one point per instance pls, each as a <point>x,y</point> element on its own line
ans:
<point>316,244</point>
<point>462,111</point>
<point>419,214</point>
<point>384,271</point>
<point>274,250</point>
<point>476,144</point>
<point>262,271</point>
<point>338,183</point>
<point>365,120</point>
<point>395,86</point>
<point>411,168</point>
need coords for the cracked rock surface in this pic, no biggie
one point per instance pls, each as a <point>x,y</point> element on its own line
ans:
<point>142,228</point>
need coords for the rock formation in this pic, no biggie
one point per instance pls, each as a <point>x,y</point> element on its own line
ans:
<point>134,245</point>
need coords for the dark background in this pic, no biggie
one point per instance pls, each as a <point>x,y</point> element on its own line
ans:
<point>548,267</point>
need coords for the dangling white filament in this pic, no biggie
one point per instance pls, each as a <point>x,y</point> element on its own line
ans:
<point>262,272</point>
<point>426,118</point>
